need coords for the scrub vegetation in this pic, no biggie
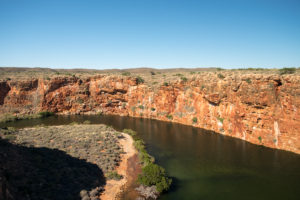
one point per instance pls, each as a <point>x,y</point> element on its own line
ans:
<point>59,162</point>
<point>152,174</point>
<point>8,117</point>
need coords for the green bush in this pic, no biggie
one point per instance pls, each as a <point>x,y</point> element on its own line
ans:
<point>126,73</point>
<point>195,120</point>
<point>248,80</point>
<point>220,119</point>
<point>166,83</point>
<point>221,76</point>
<point>259,138</point>
<point>170,117</point>
<point>130,132</point>
<point>141,107</point>
<point>152,109</point>
<point>287,70</point>
<point>139,80</point>
<point>153,174</point>
<point>179,75</point>
<point>114,175</point>
<point>184,79</point>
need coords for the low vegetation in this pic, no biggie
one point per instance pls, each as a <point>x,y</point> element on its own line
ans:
<point>152,174</point>
<point>113,175</point>
<point>183,79</point>
<point>220,119</point>
<point>221,76</point>
<point>59,162</point>
<point>283,71</point>
<point>8,117</point>
<point>139,80</point>
<point>170,117</point>
<point>195,120</point>
<point>126,73</point>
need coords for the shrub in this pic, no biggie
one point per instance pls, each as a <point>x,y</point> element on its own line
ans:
<point>192,72</point>
<point>126,73</point>
<point>152,73</point>
<point>195,120</point>
<point>220,119</point>
<point>179,75</point>
<point>221,76</point>
<point>153,174</point>
<point>87,122</point>
<point>44,114</point>
<point>141,107</point>
<point>114,175</point>
<point>287,71</point>
<point>170,117</point>
<point>248,80</point>
<point>152,109</point>
<point>184,79</point>
<point>166,83</point>
<point>259,138</point>
<point>130,132</point>
<point>139,80</point>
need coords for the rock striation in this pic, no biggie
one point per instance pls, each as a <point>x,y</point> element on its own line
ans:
<point>262,109</point>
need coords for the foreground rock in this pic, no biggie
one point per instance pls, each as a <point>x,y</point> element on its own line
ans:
<point>256,107</point>
<point>59,162</point>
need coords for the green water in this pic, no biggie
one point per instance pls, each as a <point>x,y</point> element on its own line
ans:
<point>206,165</point>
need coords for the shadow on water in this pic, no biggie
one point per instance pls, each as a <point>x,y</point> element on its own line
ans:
<point>42,173</point>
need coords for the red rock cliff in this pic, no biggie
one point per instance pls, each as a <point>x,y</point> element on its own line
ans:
<point>261,109</point>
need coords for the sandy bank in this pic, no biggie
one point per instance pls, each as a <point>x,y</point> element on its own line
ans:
<point>114,187</point>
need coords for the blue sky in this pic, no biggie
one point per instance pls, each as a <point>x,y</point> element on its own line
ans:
<point>148,33</point>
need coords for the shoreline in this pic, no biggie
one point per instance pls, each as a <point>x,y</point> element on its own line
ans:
<point>114,188</point>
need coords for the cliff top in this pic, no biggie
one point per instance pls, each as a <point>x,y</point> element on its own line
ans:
<point>151,77</point>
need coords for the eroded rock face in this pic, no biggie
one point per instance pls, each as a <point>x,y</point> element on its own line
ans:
<point>262,109</point>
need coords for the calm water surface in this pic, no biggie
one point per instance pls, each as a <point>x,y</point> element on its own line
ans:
<point>205,165</point>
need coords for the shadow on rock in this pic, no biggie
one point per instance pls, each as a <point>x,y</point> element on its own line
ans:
<point>42,173</point>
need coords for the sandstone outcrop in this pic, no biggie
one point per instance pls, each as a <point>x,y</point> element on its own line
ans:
<point>258,108</point>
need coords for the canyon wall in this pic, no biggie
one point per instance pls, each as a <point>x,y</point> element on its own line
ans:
<point>261,109</point>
